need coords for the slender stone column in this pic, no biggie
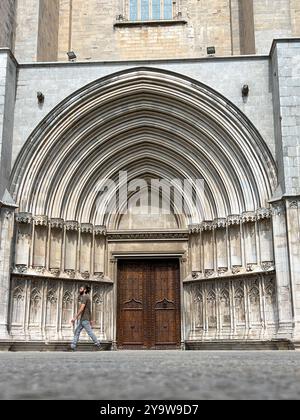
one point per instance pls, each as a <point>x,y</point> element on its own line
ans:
<point>6,247</point>
<point>71,248</point>
<point>283,273</point>
<point>40,242</point>
<point>23,240</point>
<point>99,251</point>
<point>234,223</point>
<point>195,252</point>
<point>250,245</point>
<point>86,249</point>
<point>56,246</point>
<point>209,253</point>
<point>221,244</point>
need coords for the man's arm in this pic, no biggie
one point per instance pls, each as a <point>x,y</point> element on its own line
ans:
<point>82,306</point>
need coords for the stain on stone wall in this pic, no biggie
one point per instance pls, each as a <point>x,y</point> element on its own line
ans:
<point>7,23</point>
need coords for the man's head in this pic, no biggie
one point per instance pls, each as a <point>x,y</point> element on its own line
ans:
<point>84,290</point>
<point>87,289</point>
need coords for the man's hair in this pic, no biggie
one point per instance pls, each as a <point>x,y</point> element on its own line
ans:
<point>87,289</point>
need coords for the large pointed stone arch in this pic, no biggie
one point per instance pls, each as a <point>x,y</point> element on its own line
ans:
<point>143,120</point>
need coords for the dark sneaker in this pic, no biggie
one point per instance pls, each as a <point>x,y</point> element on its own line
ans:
<point>71,348</point>
<point>100,348</point>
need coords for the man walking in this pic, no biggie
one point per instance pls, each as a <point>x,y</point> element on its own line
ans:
<point>85,317</point>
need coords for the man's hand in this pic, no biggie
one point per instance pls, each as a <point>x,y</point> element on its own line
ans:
<point>73,321</point>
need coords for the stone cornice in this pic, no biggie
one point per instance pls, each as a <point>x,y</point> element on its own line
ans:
<point>220,223</point>
<point>100,230</point>
<point>23,218</point>
<point>86,228</point>
<point>249,217</point>
<point>234,220</point>
<point>72,225</point>
<point>40,220</point>
<point>263,213</point>
<point>57,223</point>
<point>145,236</point>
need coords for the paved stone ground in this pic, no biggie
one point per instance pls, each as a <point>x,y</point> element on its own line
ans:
<point>150,375</point>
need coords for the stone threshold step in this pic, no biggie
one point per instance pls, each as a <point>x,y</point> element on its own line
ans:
<point>40,346</point>
<point>240,345</point>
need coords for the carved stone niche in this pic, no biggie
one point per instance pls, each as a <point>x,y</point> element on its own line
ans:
<point>278,209</point>
<point>263,213</point>
<point>220,223</point>
<point>86,228</point>
<point>55,272</point>
<point>234,220</point>
<point>236,269</point>
<point>251,267</point>
<point>85,275</point>
<point>39,270</point>
<point>70,273</point>
<point>209,273</point>
<point>21,268</point>
<point>196,275</point>
<point>99,276</point>
<point>57,223</point>
<point>268,266</point>
<point>72,225</point>
<point>23,218</point>
<point>40,221</point>
<point>249,217</point>
<point>293,204</point>
<point>100,230</point>
<point>222,271</point>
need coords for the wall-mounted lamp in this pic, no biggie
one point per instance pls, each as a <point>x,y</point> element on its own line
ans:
<point>72,56</point>
<point>40,97</point>
<point>211,51</point>
<point>245,91</point>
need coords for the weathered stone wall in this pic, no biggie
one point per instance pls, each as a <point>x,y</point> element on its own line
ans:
<point>94,36</point>
<point>27,30</point>
<point>226,76</point>
<point>233,27</point>
<point>37,30</point>
<point>286,78</point>
<point>7,102</point>
<point>274,19</point>
<point>286,86</point>
<point>295,17</point>
<point>246,25</point>
<point>7,23</point>
<point>48,30</point>
<point>99,29</point>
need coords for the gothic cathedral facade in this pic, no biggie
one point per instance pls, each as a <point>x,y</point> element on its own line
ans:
<point>103,102</point>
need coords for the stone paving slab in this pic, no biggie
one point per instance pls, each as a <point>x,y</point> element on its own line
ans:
<point>150,375</point>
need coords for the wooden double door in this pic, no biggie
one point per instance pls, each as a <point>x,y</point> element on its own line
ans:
<point>149,305</point>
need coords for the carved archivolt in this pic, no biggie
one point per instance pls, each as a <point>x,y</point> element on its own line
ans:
<point>185,125</point>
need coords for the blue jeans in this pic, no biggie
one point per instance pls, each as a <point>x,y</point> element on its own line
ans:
<point>87,327</point>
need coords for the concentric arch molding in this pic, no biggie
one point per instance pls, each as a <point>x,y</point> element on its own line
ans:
<point>154,123</point>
